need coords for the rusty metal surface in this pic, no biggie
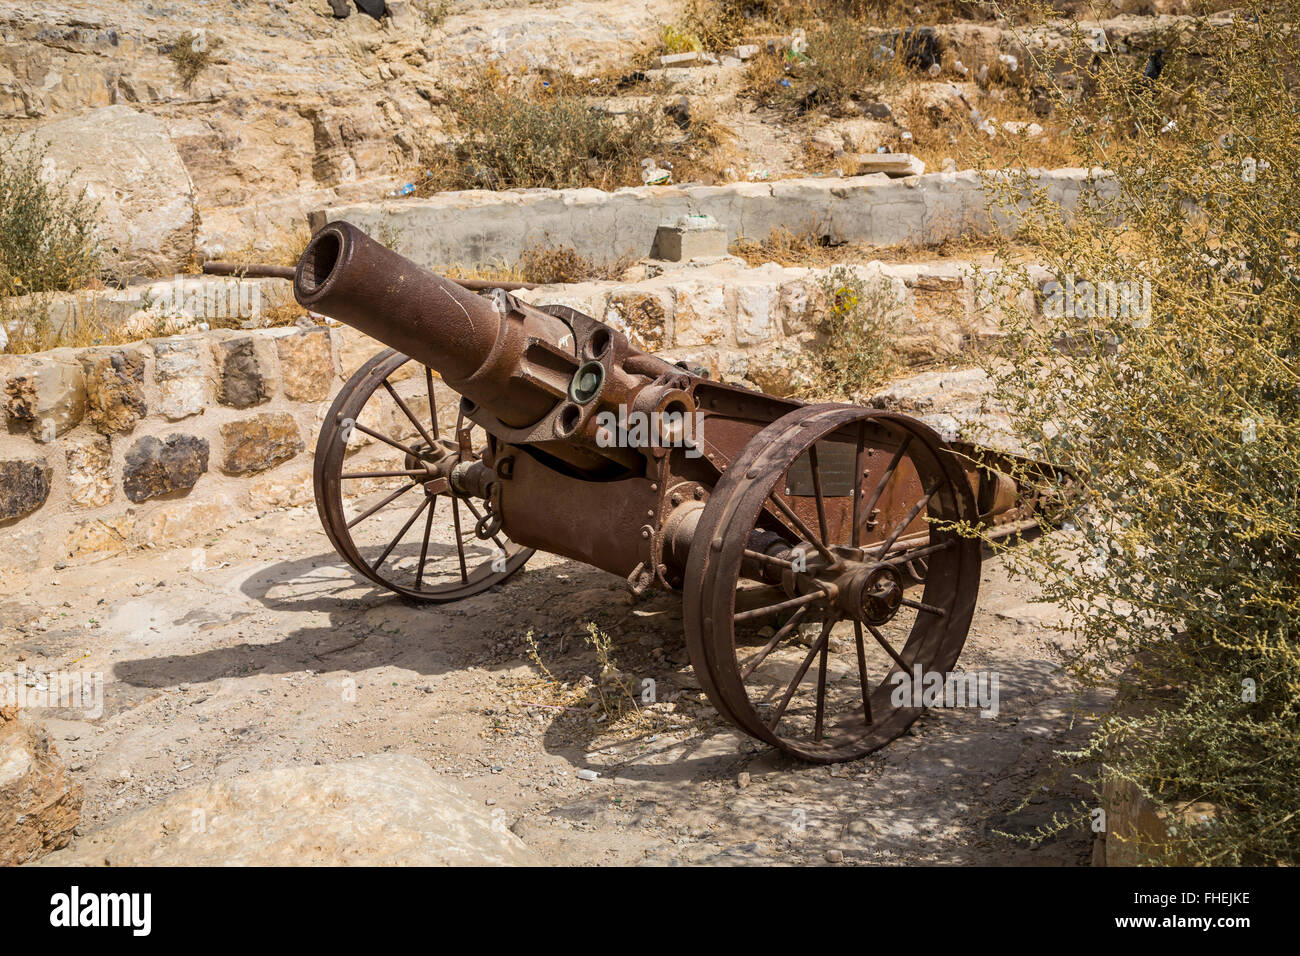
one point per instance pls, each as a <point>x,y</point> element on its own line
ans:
<point>772,510</point>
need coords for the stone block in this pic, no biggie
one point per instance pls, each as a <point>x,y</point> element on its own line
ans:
<point>756,313</point>
<point>258,443</point>
<point>157,467</point>
<point>100,536</point>
<point>244,378</point>
<point>642,316</point>
<point>48,396</point>
<point>186,520</point>
<point>306,364</point>
<point>90,471</point>
<point>690,237</point>
<point>700,315</point>
<point>182,382</point>
<point>114,392</point>
<point>282,488</point>
<point>24,486</point>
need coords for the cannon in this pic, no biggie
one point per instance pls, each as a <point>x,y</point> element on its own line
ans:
<point>818,548</point>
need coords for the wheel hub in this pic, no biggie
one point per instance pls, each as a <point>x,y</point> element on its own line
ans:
<point>871,593</point>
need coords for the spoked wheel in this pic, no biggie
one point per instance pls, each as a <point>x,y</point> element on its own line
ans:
<point>801,594</point>
<point>383,488</point>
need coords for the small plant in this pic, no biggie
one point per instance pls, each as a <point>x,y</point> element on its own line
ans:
<point>508,136</point>
<point>433,12</point>
<point>855,352</point>
<point>192,53</point>
<point>47,228</point>
<point>617,694</point>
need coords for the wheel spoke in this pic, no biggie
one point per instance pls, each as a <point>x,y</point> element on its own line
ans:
<point>409,414</point>
<point>401,534</point>
<point>403,473</point>
<point>906,554</point>
<point>769,559</point>
<point>927,608</point>
<point>460,543</point>
<point>821,687</point>
<point>783,606</point>
<point>800,527</point>
<point>910,517</point>
<point>383,504</point>
<point>388,441</point>
<point>817,491</point>
<point>433,404</point>
<point>859,471</point>
<point>863,679</point>
<point>880,639</point>
<point>770,646</point>
<point>799,674</point>
<point>424,548</point>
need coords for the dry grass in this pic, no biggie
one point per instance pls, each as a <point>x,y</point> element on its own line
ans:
<point>33,327</point>
<point>545,265</point>
<point>286,249</point>
<point>814,251</point>
<point>552,130</point>
<point>192,53</point>
<point>944,128</point>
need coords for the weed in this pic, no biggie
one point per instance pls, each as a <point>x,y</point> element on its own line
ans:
<point>192,53</point>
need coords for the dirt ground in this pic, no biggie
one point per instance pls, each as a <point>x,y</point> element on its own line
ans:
<point>259,649</point>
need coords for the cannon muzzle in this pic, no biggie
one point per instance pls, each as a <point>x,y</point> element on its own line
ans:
<point>473,343</point>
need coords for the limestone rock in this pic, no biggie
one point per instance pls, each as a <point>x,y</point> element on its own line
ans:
<point>90,477</point>
<point>243,378</point>
<point>307,364</point>
<point>155,467</point>
<point>147,215</point>
<point>756,313</point>
<point>384,810</point>
<point>701,316</point>
<point>642,316</point>
<point>941,391</point>
<point>49,396</point>
<point>287,487</point>
<point>114,394</point>
<point>178,370</point>
<point>260,442</point>
<point>99,536</point>
<point>24,486</point>
<point>186,520</point>
<point>39,803</point>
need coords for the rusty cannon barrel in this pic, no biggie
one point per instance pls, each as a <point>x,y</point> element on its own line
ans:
<point>528,375</point>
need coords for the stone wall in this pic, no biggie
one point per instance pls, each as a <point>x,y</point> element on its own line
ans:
<point>150,444</point>
<point>156,442</point>
<point>477,226</point>
<point>752,325</point>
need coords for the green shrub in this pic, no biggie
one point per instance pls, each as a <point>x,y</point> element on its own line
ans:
<point>853,354</point>
<point>508,137</point>
<point>47,229</point>
<point>1182,564</point>
<point>192,53</point>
